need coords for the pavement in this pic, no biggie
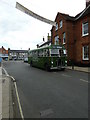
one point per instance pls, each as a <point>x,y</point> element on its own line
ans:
<point>6,100</point>
<point>81,69</point>
<point>6,104</point>
<point>0,93</point>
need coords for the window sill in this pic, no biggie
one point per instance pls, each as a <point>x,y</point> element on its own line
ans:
<point>85,35</point>
<point>86,59</point>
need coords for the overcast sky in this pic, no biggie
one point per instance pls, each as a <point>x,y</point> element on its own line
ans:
<point>20,31</point>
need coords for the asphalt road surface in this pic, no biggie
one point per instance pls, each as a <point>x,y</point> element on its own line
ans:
<point>56,94</point>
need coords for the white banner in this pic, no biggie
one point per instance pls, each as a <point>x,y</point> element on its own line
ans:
<point>29,12</point>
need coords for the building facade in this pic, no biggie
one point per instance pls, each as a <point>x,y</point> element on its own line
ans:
<point>3,53</point>
<point>17,54</point>
<point>74,34</point>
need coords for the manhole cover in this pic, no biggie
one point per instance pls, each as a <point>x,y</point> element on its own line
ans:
<point>46,112</point>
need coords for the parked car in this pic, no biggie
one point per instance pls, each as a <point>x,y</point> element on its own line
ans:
<point>15,59</point>
<point>6,59</point>
<point>20,59</point>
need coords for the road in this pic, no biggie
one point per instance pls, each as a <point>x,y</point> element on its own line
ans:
<point>56,94</point>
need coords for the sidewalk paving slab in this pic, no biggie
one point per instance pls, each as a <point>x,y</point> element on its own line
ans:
<point>82,69</point>
<point>0,93</point>
<point>6,104</point>
<point>6,97</point>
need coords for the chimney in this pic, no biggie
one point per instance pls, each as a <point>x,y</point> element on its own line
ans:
<point>87,3</point>
<point>43,39</point>
<point>48,37</point>
<point>37,45</point>
<point>8,49</point>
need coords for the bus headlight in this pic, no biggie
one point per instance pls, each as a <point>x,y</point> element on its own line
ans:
<point>52,62</point>
<point>65,61</point>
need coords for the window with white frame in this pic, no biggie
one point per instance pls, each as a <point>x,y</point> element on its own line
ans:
<point>64,38</point>
<point>56,40</point>
<point>84,29</point>
<point>85,50</point>
<point>56,26</point>
<point>65,52</point>
<point>61,24</point>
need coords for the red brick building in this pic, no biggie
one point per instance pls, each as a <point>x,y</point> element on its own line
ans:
<point>3,53</point>
<point>74,34</point>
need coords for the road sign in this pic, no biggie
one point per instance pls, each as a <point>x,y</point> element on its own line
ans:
<point>29,12</point>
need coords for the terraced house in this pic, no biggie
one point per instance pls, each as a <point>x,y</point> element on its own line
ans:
<point>74,34</point>
<point>3,53</point>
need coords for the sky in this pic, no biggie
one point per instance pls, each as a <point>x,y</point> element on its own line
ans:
<point>20,31</point>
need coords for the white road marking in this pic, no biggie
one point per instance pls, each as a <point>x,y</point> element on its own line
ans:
<point>5,72</point>
<point>12,78</point>
<point>0,71</point>
<point>66,75</point>
<point>46,112</point>
<point>20,108</point>
<point>84,80</point>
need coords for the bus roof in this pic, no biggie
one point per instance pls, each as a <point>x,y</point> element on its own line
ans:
<point>50,47</point>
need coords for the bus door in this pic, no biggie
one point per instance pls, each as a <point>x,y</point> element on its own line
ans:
<point>59,59</point>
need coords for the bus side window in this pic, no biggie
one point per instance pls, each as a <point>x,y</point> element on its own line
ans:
<point>48,53</point>
<point>35,53</point>
<point>44,53</point>
<point>38,53</point>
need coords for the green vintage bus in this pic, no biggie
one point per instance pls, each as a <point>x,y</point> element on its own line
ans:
<point>48,58</point>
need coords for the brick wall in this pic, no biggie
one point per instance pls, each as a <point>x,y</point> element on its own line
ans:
<point>67,27</point>
<point>74,39</point>
<point>80,40</point>
<point>3,51</point>
<point>70,40</point>
<point>60,31</point>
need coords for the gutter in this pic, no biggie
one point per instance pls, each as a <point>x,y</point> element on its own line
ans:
<point>82,13</point>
